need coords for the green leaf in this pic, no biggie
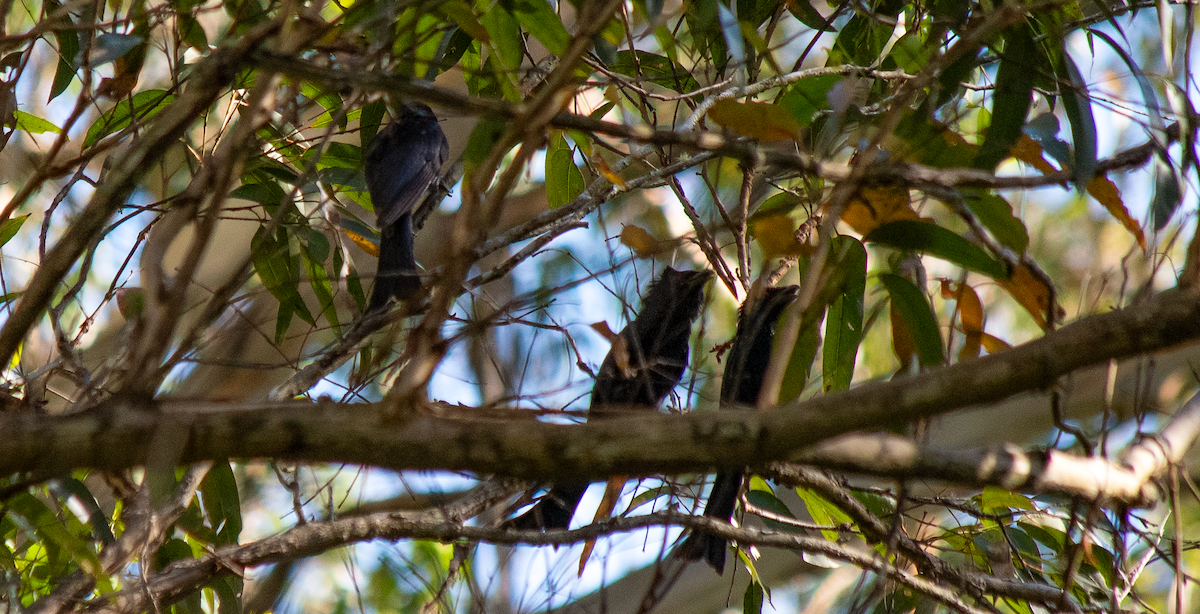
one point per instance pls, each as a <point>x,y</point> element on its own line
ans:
<point>564,180</point>
<point>799,366</point>
<point>504,36</point>
<point>68,48</point>
<point>844,320</point>
<point>918,315</point>
<point>96,517</point>
<point>752,600</point>
<point>1167,195</point>
<point>9,229</point>
<point>142,106</point>
<point>538,18</point>
<point>35,125</point>
<point>996,215</point>
<point>918,236</point>
<point>808,96</point>
<point>804,11</point>
<point>768,501</point>
<point>44,523</point>
<point>994,500</point>
<point>1078,106</point>
<point>1012,97</point>
<point>316,251</point>
<point>654,68</point>
<point>222,504</point>
<point>278,267</point>
<point>369,121</point>
<point>823,512</point>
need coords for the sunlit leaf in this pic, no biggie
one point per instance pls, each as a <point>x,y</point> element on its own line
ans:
<point>143,105</point>
<point>1031,292</point>
<point>876,205</point>
<point>34,124</point>
<point>1106,193</point>
<point>757,120</point>
<point>640,241</point>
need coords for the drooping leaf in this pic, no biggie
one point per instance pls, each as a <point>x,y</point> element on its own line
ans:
<point>1106,193</point>
<point>68,48</point>
<point>564,180</point>
<point>912,306</point>
<point>824,513</point>
<point>222,504</point>
<point>919,236</point>
<point>1012,96</point>
<point>970,315</point>
<point>1078,106</point>
<point>1031,292</point>
<point>643,244</point>
<point>278,267</point>
<point>539,19</point>
<point>844,319</point>
<point>766,500</point>
<point>752,599</point>
<point>808,15</point>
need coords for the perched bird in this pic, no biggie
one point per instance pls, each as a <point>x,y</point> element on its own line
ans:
<point>744,369</point>
<point>640,370</point>
<point>403,162</point>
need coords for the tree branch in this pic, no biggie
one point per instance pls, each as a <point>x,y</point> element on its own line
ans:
<point>118,433</point>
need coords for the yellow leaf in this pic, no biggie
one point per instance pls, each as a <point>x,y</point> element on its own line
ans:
<point>640,241</point>
<point>994,345</point>
<point>612,493</point>
<point>363,243</point>
<point>758,120</point>
<point>1105,191</point>
<point>776,235</point>
<point>608,172</point>
<point>874,206</point>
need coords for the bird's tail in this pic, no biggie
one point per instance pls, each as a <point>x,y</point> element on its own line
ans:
<point>397,273</point>
<point>553,511</point>
<point>721,503</point>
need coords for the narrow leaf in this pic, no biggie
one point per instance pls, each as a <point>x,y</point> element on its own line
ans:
<point>917,313</point>
<point>844,321</point>
<point>937,241</point>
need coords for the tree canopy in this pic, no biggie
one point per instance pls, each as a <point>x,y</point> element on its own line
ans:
<point>980,400</point>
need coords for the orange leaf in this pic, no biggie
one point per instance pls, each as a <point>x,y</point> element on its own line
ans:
<point>607,171</point>
<point>994,345</point>
<point>1028,151</point>
<point>970,315</point>
<point>612,493</point>
<point>758,120</point>
<point>874,206</point>
<point>1104,190</point>
<point>902,341</point>
<point>640,241</point>
<point>1031,292</point>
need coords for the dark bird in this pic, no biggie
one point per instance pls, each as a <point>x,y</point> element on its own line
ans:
<point>640,370</point>
<point>403,162</point>
<point>745,366</point>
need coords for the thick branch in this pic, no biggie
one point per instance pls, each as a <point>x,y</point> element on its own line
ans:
<point>117,433</point>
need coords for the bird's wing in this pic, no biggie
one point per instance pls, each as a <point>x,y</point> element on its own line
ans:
<point>401,165</point>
